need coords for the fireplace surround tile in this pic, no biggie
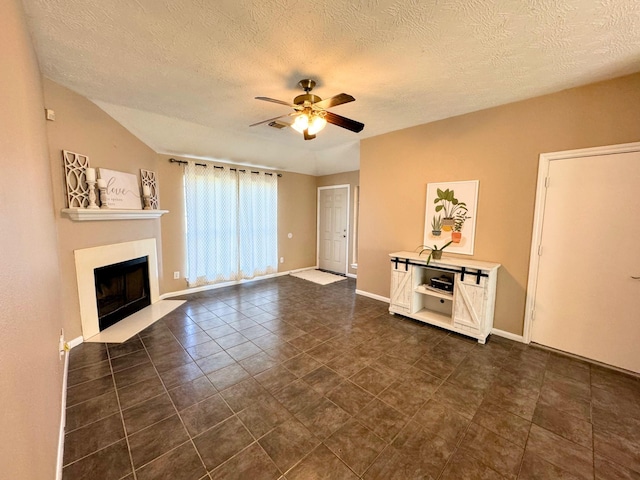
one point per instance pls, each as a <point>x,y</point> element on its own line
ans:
<point>88,259</point>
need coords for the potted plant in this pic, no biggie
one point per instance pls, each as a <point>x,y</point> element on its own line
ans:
<point>436,225</point>
<point>435,252</point>
<point>456,235</point>
<point>458,223</point>
<point>450,206</point>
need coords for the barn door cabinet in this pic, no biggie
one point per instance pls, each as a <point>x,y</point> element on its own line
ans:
<point>466,309</point>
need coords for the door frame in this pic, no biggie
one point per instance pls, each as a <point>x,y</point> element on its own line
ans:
<point>346,254</point>
<point>538,218</point>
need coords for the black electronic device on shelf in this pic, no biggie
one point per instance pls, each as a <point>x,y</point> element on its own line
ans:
<point>443,283</point>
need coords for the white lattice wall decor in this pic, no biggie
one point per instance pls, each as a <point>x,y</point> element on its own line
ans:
<point>75,165</point>
<point>147,177</point>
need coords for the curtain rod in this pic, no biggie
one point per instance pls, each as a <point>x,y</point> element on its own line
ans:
<point>182,162</point>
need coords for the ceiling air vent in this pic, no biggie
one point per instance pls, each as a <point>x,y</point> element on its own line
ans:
<point>278,125</point>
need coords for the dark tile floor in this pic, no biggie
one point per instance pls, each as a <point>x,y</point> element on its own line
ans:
<point>282,378</point>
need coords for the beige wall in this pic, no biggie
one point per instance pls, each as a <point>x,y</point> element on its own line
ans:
<point>30,317</point>
<point>353,180</point>
<point>82,127</point>
<point>296,215</point>
<point>500,147</point>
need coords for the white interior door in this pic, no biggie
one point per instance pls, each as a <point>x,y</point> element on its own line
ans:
<point>586,300</point>
<point>333,211</point>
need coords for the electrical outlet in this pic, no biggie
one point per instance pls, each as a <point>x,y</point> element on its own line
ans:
<point>176,275</point>
<point>281,259</point>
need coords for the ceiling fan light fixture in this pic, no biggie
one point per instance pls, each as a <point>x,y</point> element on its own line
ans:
<point>317,123</point>
<point>301,123</point>
<point>311,114</point>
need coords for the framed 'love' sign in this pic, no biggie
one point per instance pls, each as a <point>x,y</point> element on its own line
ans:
<point>123,191</point>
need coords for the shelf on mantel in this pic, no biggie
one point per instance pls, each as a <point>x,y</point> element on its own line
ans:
<point>93,214</point>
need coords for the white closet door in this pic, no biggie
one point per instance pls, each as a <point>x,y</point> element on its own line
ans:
<point>587,302</point>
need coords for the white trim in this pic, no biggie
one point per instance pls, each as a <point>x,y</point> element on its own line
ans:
<point>509,335</point>
<point>538,219</point>
<point>92,214</point>
<point>373,295</point>
<point>63,418</point>
<point>63,405</point>
<point>351,275</point>
<point>215,286</point>
<point>354,239</point>
<point>346,243</point>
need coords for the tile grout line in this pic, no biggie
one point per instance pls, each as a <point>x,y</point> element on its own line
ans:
<point>343,334</point>
<point>124,427</point>
<point>177,412</point>
<point>218,392</point>
<point>468,426</point>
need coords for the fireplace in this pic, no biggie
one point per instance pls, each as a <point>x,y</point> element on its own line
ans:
<point>121,290</point>
<point>130,257</point>
<point>88,260</point>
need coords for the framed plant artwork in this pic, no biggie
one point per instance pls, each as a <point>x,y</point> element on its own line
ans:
<point>450,215</point>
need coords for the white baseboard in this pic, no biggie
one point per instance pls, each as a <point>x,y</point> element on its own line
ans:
<point>204,288</point>
<point>63,405</point>
<point>63,418</point>
<point>352,275</point>
<point>373,295</point>
<point>509,335</point>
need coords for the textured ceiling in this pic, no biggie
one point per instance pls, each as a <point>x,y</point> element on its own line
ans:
<point>182,74</point>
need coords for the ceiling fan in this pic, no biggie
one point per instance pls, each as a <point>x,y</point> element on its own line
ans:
<point>311,113</point>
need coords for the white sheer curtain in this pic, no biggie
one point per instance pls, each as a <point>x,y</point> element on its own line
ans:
<point>258,224</point>
<point>231,224</point>
<point>211,202</point>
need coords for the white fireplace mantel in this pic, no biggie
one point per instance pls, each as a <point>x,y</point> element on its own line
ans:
<point>93,214</point>
<point>88,259</point>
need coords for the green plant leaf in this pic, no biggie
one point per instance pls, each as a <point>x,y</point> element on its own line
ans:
<point>439,207</point>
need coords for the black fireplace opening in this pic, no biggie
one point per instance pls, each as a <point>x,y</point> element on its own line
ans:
<point>121,290</point>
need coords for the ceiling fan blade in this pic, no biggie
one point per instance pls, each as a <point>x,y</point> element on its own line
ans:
<point>307,136</point>
<point>273,100</point>
<point>334,101</point>
<point>343,122</point>
<point>272,119</point>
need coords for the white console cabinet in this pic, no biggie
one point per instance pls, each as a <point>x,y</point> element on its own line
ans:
<point>468,309</point>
